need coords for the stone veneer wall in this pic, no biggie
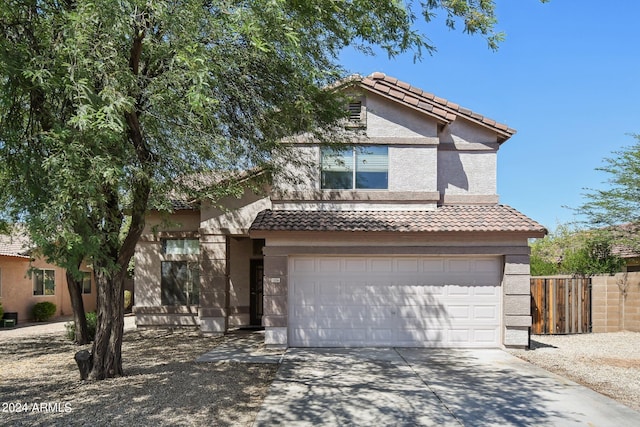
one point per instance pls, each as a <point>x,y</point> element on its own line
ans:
<point>613,309</point>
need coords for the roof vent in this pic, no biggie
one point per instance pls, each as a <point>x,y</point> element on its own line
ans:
<point>357,114</point>
<point>355,111</point>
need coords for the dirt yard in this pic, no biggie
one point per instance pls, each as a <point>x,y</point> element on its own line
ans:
<point>163,386</point>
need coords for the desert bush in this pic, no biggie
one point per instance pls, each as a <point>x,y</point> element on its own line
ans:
<point>92,322</point>
<point>42,311</point>
<point>127,300</point>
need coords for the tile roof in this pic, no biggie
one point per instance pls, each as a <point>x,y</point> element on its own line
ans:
<point>439,108</point>
<point>454,218</point>
<point>16,245</point>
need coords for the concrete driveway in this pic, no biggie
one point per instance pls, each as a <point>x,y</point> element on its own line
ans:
<point>429,387</point>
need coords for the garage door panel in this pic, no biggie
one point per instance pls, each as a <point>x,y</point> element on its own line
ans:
<point>457,291</point>
<point>381,265</point>
<point>328,265</point>
<point>485,290</point>
<point>461,335</point>
<point>395,301</point>
<point>303,265</point>
<point>458,312</point>
<point>485,312</point>
<point>485,336</point>
<point>433,265</point>
<point>355,265</point>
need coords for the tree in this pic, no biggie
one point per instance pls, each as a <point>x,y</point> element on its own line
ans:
<point>572,251</point>
<point>106,107</point>
<point>616,209</point>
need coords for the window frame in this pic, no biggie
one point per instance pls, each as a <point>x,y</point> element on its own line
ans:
<point>85,275</point>
<point>185,249</point>
<point>353,154</point>
<point>43,271</point>
<point>189,293</point>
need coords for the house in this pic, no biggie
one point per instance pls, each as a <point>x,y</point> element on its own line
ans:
<point>396,240</point>
<point>628,250</point>
<point>26,279</point>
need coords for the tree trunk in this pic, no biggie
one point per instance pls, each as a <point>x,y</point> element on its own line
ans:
<point>107,345</point>
<point>79,316</point>
<point>84,360</point>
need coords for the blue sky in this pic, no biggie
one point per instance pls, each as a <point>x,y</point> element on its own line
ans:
<point>567,78</point>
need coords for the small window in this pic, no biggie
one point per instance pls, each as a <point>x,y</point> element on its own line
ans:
<point>180,283</point>
<point>86,282</point>
<point>181,246</point>
<point>44,282</point>
<point>355,168</point>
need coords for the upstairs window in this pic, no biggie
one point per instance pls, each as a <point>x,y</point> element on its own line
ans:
<point>365,167</point>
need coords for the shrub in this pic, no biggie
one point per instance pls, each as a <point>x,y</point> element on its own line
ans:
<point>92,322</point>
<point>1,311</point>
<point>127,300</point>
<point>42,311</point>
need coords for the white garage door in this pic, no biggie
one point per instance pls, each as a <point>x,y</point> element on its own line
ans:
<point>394,301</point>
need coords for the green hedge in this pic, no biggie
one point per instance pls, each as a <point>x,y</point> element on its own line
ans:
<point>42,311</point>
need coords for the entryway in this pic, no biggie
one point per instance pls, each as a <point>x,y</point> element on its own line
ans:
<point>256,292</point>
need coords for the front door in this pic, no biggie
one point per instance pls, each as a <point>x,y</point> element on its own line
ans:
<point>255,305</point>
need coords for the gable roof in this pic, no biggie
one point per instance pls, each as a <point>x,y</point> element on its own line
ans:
<point>439,108</point>
<point>16,245</point>
<point>450,218</point>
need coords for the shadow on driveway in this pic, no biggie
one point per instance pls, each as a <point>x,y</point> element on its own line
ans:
<point>428,387</point>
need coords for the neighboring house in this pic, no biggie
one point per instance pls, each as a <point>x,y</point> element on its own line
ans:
<point>26,279</point>
<point>630,255</point>
<point>397,241</point>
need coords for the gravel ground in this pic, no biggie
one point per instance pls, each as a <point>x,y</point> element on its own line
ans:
<point>162,386</point>
<point>607,363</point>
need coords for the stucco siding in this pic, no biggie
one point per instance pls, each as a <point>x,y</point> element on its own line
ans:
<point>387,119</point>
<point>236,217</point>
<point>239,277</point>
<point>300,175</point>
<point>462,173</point>
<point>413,168</point>
<point>147,273</point>
<point>464,131</point>
<point>187,220</point>
<point>16,293</point>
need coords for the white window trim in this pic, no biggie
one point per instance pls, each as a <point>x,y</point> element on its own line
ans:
<point>33,282</point>
<point>354,170</point>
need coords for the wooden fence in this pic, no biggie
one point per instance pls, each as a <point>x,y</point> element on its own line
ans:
<point>560,305</point>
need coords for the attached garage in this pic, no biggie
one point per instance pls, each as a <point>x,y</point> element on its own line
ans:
<point>414,301</point>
